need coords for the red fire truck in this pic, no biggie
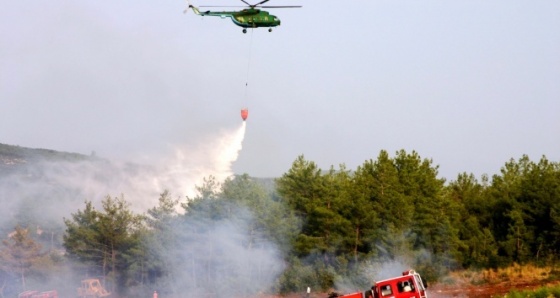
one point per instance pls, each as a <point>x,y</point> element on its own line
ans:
<point>409,285</point>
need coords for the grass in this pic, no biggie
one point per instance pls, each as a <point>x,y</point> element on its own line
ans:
<point>517,273</point>
<point>514,274</point>
<point>543,292</point>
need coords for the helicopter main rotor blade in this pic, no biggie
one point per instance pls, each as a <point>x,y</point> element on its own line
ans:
<point>262,2</point>
<point>235,6</point>
<point>246,3</point>
<point>286,6</point>
<point>221,6</point>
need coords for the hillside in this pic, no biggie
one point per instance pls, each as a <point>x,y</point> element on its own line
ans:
<point>15,157</point>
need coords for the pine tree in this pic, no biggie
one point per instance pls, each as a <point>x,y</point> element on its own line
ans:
<point>19,253</point>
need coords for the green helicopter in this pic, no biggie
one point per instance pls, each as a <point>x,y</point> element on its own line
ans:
<point>251,17</point>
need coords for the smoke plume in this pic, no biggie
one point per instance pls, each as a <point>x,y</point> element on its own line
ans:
<point>38,192</point>
<point>189,165</point>
<point>47,190</point>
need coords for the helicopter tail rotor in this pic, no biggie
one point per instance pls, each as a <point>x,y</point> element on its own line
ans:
<point>194,8</point>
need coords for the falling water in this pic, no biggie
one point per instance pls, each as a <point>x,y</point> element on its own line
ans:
<point>191,164</point>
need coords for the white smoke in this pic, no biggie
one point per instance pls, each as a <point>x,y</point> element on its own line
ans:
<point>222,256</point>
<point>65,185</point>
<point>370,271</point>
<point>189,165</point>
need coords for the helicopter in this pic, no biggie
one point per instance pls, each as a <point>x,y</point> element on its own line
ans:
<point>250,17</point>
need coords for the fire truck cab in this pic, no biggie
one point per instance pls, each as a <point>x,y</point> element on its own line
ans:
<point>409,285</point>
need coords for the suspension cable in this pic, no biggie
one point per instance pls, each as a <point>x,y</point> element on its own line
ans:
<point>248,66</point>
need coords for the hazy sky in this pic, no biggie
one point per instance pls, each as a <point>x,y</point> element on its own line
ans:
<point>469,84</point>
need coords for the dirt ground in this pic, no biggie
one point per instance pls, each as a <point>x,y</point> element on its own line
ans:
<point>457,291</point>
<point>483,291</point>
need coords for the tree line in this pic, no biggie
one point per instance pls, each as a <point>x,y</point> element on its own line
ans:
<point>315,227</point>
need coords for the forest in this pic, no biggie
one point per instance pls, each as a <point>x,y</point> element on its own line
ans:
<point>335,228</point>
